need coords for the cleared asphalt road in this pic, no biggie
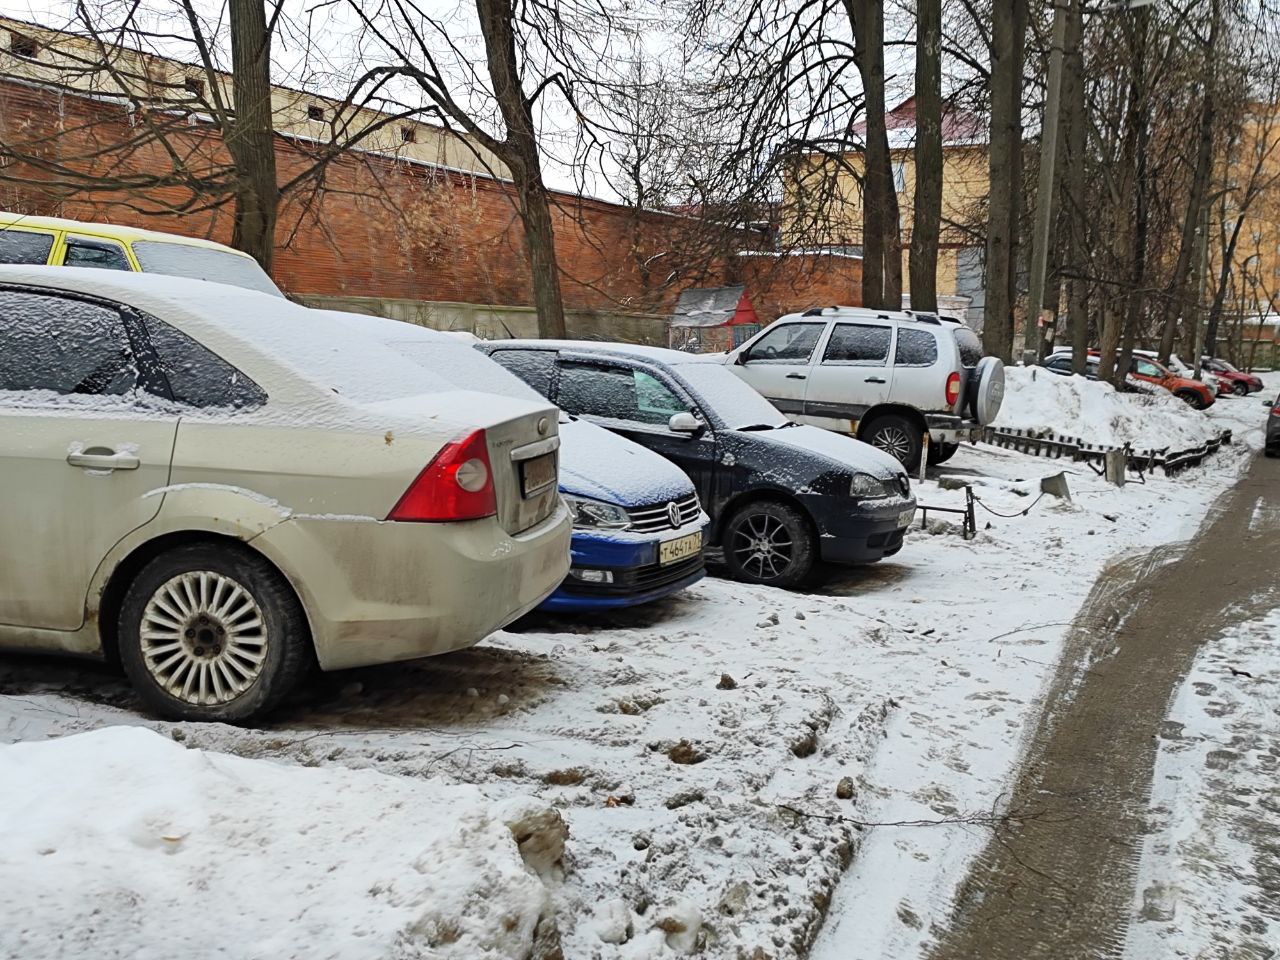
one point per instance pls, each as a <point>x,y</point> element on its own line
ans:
<point>1060,883</point>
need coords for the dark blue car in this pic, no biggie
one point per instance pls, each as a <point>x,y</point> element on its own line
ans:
<point>638,529</point>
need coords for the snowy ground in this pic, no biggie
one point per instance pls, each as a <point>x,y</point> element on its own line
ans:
<point>1210,871</point>
<point>696,747</point>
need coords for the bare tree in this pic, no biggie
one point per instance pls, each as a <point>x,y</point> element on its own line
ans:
<point>926,207</point>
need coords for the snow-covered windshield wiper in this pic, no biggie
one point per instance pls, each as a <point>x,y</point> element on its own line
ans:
<point>764,426</point>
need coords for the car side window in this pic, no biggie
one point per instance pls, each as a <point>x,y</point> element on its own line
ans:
<point>63,344</point>
<point>916,348</point>
<point>618,393</point>
<point>197,376</point>
<point>83,252</point>
<point>25,246</point>
<point>534,367</point>
<point>858,343</point>
<point>1146,369</point>
<point>791,342</point>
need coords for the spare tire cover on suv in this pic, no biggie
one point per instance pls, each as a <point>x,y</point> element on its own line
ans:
<point>985,390</point>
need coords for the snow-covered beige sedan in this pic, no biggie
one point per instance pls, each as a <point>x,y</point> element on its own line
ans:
<point>221,487</point>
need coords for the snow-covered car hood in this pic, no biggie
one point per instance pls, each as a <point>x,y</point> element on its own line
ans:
<point>604,466</point>
<point>847,451</point>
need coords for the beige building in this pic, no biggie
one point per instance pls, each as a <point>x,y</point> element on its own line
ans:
<point>1252,165</point>
<point>824,201</point>
<point>52,58</point>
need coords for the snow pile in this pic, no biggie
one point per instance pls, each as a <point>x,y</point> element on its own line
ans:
<point>122,843</point>
<point>1036,399</point>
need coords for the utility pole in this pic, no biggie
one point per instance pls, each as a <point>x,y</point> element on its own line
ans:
<point>1033,337</point>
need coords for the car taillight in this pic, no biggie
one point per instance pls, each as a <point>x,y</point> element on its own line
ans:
<point>953,389</point>
<point>456,485</point>
<point>1276,409</point>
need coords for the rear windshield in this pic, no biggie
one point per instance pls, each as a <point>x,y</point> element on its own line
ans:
<point>970,346</point>
<point>203,263</point>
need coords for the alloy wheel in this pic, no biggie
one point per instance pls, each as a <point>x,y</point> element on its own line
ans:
<point>893,441</point>
<point>762,546</point>
<point>204,638</point>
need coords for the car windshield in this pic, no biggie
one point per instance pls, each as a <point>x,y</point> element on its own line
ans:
<point>734,402</point>
<point>1224,366</point>
<point>203,263</point>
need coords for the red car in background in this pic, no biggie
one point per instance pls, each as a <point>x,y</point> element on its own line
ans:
<point>1193,392</point>
<point>1237,381</point>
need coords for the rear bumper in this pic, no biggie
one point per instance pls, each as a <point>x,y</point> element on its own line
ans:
<point>378,592</point>
<point>852,532</point>
<point>948,428</point>
<point>631,563</point>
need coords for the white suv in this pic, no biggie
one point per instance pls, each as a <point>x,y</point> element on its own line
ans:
<point>886,377</point>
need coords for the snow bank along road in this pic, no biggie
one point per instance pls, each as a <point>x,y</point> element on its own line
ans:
<point>721,759</point>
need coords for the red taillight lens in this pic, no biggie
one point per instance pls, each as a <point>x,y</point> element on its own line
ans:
<point>456,485</point>
<point>953,389</point>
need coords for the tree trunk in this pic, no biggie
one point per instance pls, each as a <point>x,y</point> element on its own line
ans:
<point>1074,188</point>
<point>519,151</point>
<point>1142,134</point>
<point>1175,305</point>
<point>926,207</point>
<point>881,239</point>
<point>1008,37</point>
<point>252,141</point>
<point>1220,294</point>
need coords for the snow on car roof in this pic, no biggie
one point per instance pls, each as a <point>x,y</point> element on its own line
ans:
<point>657,354</point>
<point>336,353</point>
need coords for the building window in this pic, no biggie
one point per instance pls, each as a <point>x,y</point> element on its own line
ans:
<point>408,134</point>
<point>899,176</point>
<point>315,113</point>
<point>23,46</point>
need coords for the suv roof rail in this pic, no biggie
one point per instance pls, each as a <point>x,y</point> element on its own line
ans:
<point>817,311</point>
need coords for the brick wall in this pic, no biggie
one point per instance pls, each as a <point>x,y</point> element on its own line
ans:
<point>372,226</point>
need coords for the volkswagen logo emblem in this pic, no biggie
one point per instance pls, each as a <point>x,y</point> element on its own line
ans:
<point>673,513</point>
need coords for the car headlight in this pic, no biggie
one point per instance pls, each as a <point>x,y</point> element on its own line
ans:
<point>594,515</point>
<point>866,487</point>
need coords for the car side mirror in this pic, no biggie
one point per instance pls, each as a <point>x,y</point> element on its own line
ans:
<point>685,423</point>
<point>740,358</point>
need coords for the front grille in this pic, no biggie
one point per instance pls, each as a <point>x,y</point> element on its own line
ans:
<point>656,517</point>
<point>636,579</point>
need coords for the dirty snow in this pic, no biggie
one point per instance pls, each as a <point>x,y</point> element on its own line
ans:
<point>723,758</point>
<point>1036,399</point>
<point>1207,881</point>
<point>121,843</point>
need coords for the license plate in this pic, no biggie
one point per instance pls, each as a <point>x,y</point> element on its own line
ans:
<point>906,516</point>
<point>537,474</point>
<point>679,549</point>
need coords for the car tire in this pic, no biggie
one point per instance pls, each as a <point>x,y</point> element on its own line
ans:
<point>1240,389</point>
<point>785,529</point>
<point>941,452</point>
<point>1191,398</point>
<point>984,392</point>
<point>212,632</point>
<point>896,436</point>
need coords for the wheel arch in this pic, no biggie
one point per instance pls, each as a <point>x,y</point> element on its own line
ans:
<point>900,409</point>
<point>116,585</point>
<point>765,495</point>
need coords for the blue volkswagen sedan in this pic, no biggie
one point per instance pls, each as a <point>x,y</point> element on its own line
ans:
<point>638,528</point>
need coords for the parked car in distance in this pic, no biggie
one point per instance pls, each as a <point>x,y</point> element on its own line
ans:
<point>1272,445</point>
<point>72,243</point>
<point>638,528</point>
<point>1219,386</point>
<point>782,497</point>
<point>1241,383</point>
<point>222,487</point>
<point>886,377</point>
<point>1148,370</point>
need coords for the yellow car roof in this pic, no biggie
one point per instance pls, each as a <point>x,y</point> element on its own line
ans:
<point>111,230</point>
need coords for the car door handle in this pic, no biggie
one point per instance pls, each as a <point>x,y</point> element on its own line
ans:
<point>873,380</point>
<point>104,460</point>
<point>796,376</point>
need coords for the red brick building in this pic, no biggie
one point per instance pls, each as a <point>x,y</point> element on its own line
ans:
<point>402,237</point>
